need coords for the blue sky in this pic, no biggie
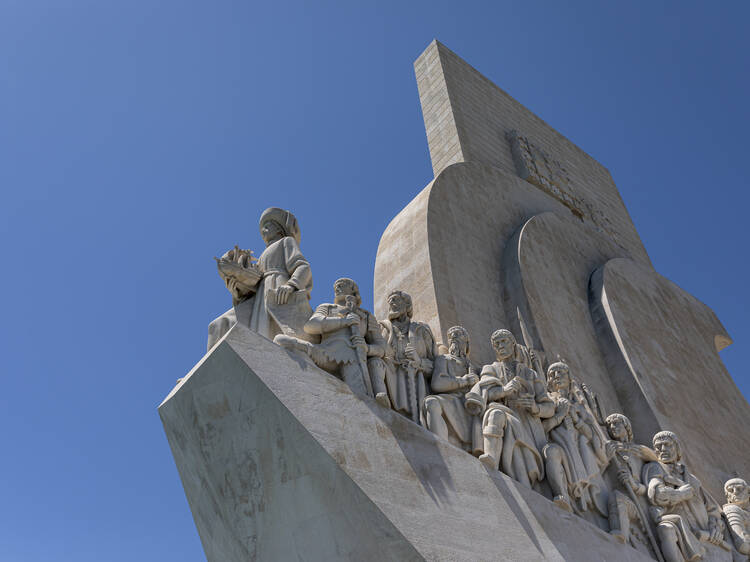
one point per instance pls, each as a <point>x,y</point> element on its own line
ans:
<point>139,139</point>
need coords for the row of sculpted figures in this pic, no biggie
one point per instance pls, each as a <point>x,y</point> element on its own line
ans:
<point>540,426</point>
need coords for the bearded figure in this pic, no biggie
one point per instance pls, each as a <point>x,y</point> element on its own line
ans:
<point>445,411</point>
<point>575,454</point>
<point>512,402</point>
<point>410,353</point>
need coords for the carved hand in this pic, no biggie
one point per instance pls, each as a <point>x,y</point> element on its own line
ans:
<point>717,532</point>
<point>687,491</point>
<point>626,479</point>
<point>351,319</point>
<point>513,386</point>
<point>414,360</point>
<point>283,292</point>
<point>528,404</point>
<point>563,405</point>
<point>469,380</point>
<point>612,447</point>
<point>359,343</point>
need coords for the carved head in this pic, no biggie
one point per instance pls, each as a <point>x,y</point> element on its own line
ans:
<point>619,428</point>
<point>277,223</point>
<point>504,344</point>
<point>737,491</point>
<point>458,341</point>
<point>399,303</point>
<point>344,287</point>
<point>558,377</point>
<point>667,447</point>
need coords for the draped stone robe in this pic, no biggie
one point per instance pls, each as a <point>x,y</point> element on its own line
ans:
<point>281,262</point>
<point>524,433</point>
<point>463,426</point>
<point>582,443</point>
<point>420,337</point>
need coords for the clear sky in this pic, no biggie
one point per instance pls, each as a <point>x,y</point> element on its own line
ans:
<point>138,139</point>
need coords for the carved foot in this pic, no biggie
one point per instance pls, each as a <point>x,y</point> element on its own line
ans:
<point>618,536</point>
<point>563,503</point>
<point>487,461</point>
<point>291,343</point>
<point>382,399</point>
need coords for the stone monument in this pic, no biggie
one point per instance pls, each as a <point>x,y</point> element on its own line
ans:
<point>494,415</point>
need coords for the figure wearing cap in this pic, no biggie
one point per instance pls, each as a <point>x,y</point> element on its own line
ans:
<point>270,296</point>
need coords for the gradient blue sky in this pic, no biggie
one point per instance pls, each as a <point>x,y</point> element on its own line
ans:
<point>138,139</point>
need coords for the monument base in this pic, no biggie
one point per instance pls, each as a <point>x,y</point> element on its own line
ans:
<point>281,461</point>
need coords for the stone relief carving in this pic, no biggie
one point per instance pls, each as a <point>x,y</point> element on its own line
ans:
<point>547,430</point>
<point>737,513</point>
<point>351,346</point>
<point>683,512</point>
<point>536,166</point>
<point>410,352</point>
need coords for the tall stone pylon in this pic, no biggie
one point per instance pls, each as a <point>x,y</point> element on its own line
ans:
<point>522,229</point>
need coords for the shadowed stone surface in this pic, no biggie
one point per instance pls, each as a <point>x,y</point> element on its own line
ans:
<point>281,461</point>
<point>667,343</point>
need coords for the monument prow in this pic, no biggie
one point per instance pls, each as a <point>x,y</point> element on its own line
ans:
<point>517,395</point>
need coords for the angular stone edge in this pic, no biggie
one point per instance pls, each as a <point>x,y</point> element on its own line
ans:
<point>255,430</point>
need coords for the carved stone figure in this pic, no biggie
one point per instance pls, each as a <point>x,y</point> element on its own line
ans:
<point>445,410</point>
<point>575,454</point>
<point>682,511</point>
<point>410,353</point>
<point>351,345</point>
<point>627,508</point>
<point>513,401</point>
<point>737,512</point>
<point>271,296</point>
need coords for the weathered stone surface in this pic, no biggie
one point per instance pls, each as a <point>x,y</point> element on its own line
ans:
<point>280,461</point>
